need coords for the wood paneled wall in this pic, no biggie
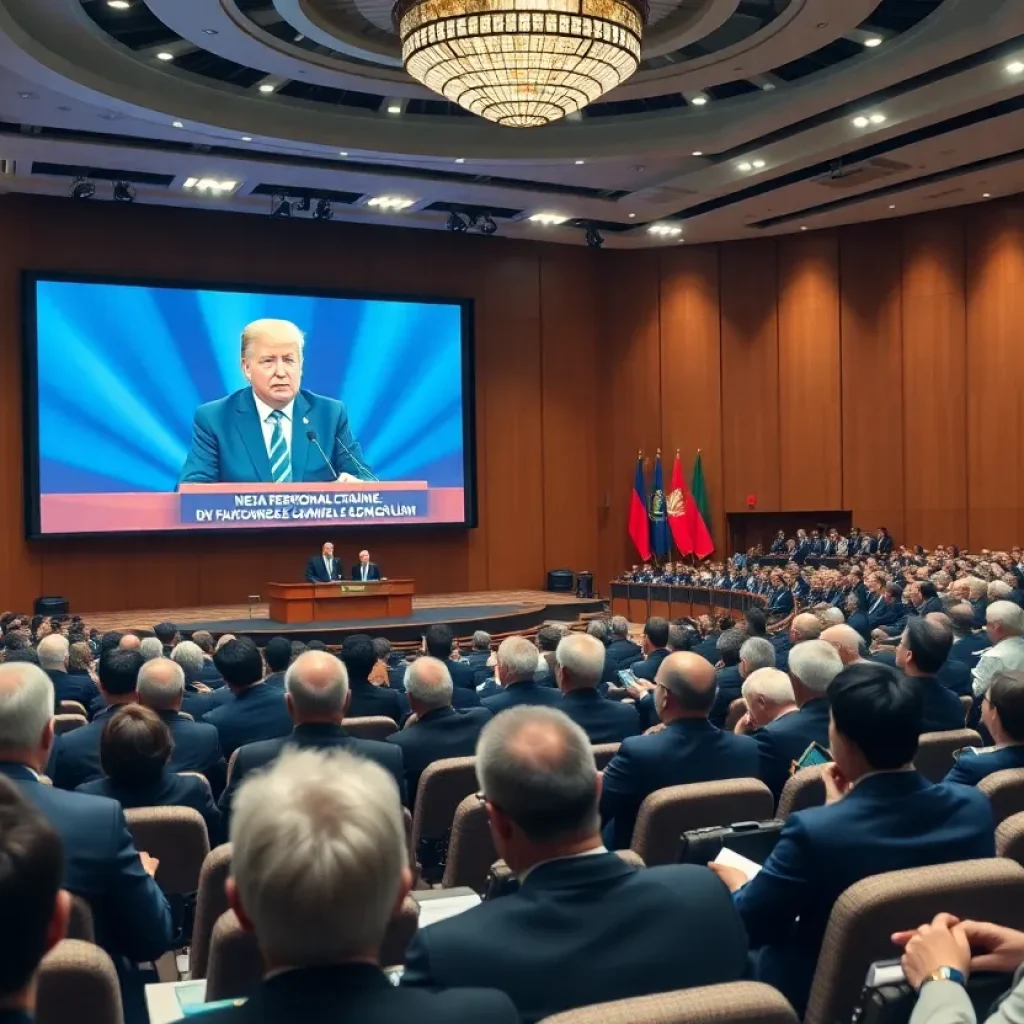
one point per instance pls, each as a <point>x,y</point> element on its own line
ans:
<point>878,369</point>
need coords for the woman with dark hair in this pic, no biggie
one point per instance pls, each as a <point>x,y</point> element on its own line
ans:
<point>135,746</point>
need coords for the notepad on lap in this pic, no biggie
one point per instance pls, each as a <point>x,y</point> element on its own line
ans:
<point>732,859</point>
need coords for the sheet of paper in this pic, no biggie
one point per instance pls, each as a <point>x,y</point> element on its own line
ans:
<point>732,859</point>
<point>432,911</point>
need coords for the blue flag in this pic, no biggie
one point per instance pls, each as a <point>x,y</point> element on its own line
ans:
<point>661,541</point>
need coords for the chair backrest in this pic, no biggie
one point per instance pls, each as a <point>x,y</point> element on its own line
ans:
<point>739,1002</point>
<point>1010,838</point>
<point>1005,791</point>
<point>211,902</point>
<point>177,837</point>
<point>80,922</point>
<point>199,775</point>
<point>865,916</point>
<point>667,813</point>
<point>78,982</point>
<point>967,703</point>
<point>935,751</point>
<point>231,764</point>
<point>372,727</point>
<point>185,714</point>
<point>73,707</point>
<point>803,789</point>
<point>471,849</point>
<point>235,968</point>
<point>443,786</point>
<point>603,753</point>
<point>68,723</point>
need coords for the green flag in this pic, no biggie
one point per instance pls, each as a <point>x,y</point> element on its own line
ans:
<point>699,492</point>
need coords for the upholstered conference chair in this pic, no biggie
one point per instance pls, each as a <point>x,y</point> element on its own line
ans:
<point>936,750</point>
<point>803,789</point>
<point>1010,838</point>
<point>443,786</point>
<point>78,982</point>
<point>1005,791</point>
<point>372,727</point>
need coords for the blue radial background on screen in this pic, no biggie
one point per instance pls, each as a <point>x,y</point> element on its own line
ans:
<point>122,369</point>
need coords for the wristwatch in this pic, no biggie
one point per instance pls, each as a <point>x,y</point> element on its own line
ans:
<point>946,974</point>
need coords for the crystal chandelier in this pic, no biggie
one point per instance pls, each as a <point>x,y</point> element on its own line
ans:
<point>520,62</point>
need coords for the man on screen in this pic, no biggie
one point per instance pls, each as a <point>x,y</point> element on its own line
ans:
<point>324,568</point>
<point>270,432</point>
<point>365,570</point>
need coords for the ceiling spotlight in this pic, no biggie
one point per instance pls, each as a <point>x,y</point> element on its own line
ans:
<point>594,237</point>
<point>486,225</point>
<point>247,138</point>
<point>698,152</point>
<point>82,188</point>
<point>986,195</point>
<point>768,87</point>
<point>1015,67</point>
<point>28,95</point>
<point>699,101</point>
<point>758,164</point>
<point>322,210</point>
<point>164,55</point>
<point>892,206</point>
<point>124,192</point>
<point>456,223</point>
<point>631,216</point>
<point>579,163</point>
<point>860,122</point>
<point>177,124</point>
<point>266,87</point>
<point>460,159</point>
<point>394,108</point>
<point>342,153</point>
<point>210,32</point>
<point>547,219</point>
<point>119,5</point>
<point>803,227</point>
<point>665,230</point>
<point>280,206</point>
<point>877,118</point>
<point>744,167</point>
<point>212,185</point>
<point>394,203</point>
<point>872,41</point>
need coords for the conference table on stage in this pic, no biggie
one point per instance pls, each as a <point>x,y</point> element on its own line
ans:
<point>639,601</point>
<point>341,601</point>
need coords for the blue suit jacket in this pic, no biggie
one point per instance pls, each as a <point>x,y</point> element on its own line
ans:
<point>75,757</point>
<point>648,668</point>
<point>730,683</point>
<point>967,648</point>
<point>258,713</point>
<point>888,822</point>
<point>67,686</point>
<point>603,720</point>
<point>372,571</point>
<point>527,692</point>
<point>781,742</point>
<point>102,865</point>
<point>942,708</point>
<point>228,445</point>
<point>196,749</point>
<point>368,700</point>
<point>687,750</point>
<point>973,765</point>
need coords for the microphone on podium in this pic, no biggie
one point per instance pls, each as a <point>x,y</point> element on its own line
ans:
<point>311,435</point>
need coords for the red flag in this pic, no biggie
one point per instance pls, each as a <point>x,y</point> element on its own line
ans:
<point>679,502</point>
<point>639,529</point>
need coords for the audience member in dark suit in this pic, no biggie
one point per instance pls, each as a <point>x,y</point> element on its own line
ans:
<point>1002,713</point>
<point>318,699</point>
<point>516,668</point>
<point>644,930</point>
<point>812,666</point>
<point>101,864</point>
<point>52,652</point>
<point>479,654</point>
<point>76,755</point>
<point>135,751</point>
<point>255,711</point>
<point>880,815</point>
<point>366,699</point>
<point>324,568</point>
<point>967,644</point>
<point>437,642</point>
<point>579,662</point>
<point>318,868</point>
<point>889,611</point>
<point>196,744</point>
<point>728,678</point>
<point>32,902</point>
<point>365,570</point>
<point>211,677</point>
<point>922,651</point>
<point>439,731</point>
<point>198,697</point>
<point>621,651</point>
<point>655,648</point>
<point>688,749</point>
<point>884,541</point>
<point>929,599</point>
<point>767,696</point>
<point>167,634</point>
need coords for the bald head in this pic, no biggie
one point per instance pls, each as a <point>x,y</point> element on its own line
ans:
<point>686,687</point>
<point>129,642</point>
<point>579,662</point>
<point>161,684</point>
<point>846,641</point>
<point>517,660</point>
<point>53,652</point>
<point>316,685</point>
<point>428,684</point>
<point>225,639</point>
<point>805,626</point>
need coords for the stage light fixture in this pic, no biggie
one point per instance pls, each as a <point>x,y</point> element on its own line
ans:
<point>82,188</point>
<point>594,237</point>
<point>323,210</point>
<point>456,223</point>
<point>280,206</point>
<point>124,192</point>
<point>486,225</point>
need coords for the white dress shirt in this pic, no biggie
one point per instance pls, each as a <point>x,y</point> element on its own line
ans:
<point>267,424</point>
<point>1007,655</point>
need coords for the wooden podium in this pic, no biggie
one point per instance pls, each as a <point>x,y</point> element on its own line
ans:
<point>341,601</point>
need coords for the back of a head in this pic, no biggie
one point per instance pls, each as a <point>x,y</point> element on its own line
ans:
<point>429,683</point>
<point>31,874</point>
<point>805,626</point>
<point>678,637</point>
<point>316,645</point>
<point>962,618</point>
<point>23,654</point>
<point>381,648</point>
<point>109,641</point>
<point>481,640</point>
<point>928,590</point>
<point>26,707</point>
<point>278,653</point>
<point>135,746</point>
<point>929,642</point>
<point>771,684</point>
<point>757,652</point>
<point>165,632</point>
<point>79,656</point>
<point>119,671</point>
<point>549,637</point>
<point>150,648</point>
<point>52,651</point>
<point>438,639</point>
<point>204,639</point>
<point>161,682</point>
<point>1006,695</point>
<point>129,642</point>
<point>581,658</point>
<point>879,711</point>
<point>998,590</point>
<point>756,622</point>
<point>690,679</point>
<point>815,663</point>
<point>831,617</point>
<point>239,662</point>
<point>1009,616</point>
<point>728,646</point>
<point>318,685</point>
<point>318,856</point>
<point>845,637</point>
<point>619,626</point>
<point>537,766</point>
<point>599,630</point>
<point>656,631</point>
<point>297,648</point>
<point>189,655</point>
<point>517,659</point>
<point>357,654</point>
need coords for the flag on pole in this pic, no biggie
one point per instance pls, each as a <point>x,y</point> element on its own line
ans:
<point>703,545</point>
<point>660,542</point>
<point>676,506</point>
<point>639,529</point>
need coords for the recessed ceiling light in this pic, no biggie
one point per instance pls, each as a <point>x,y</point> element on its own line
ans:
<point>548,219</point>
<point>164,55</point>
<point>872,41</point>
<point>394,108</point>
<point>177,124</point>
<point>665,230</point>
<point>579,163</point>
<point>247,138</point>
<point>698,152</point>
<point>986,195</point>
<point>210,32</point>
<point>877,118</point>
<point>342,153</point>
<point>212,186</point>
<point>744,167</point>
<point>758,164</point>
<point>266,87</point>
<point>803,227</point>
<point>768,86</point>
<point>699,101</point>
<point>892,206</point>
<point>860,122</point>
<point>119,5</point>
<point>632,215</point>
<point>395,203</point>
<point>28,95</point>
<point>460,160</point>
<point>1015,67</point>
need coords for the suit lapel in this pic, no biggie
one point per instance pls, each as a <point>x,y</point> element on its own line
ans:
<point>300,443</point>
<point>247,423</point>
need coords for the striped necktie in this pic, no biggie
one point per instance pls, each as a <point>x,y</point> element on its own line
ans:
<point>280,460</point>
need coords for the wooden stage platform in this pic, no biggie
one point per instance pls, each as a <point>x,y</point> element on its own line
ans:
<point>498,611</point>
